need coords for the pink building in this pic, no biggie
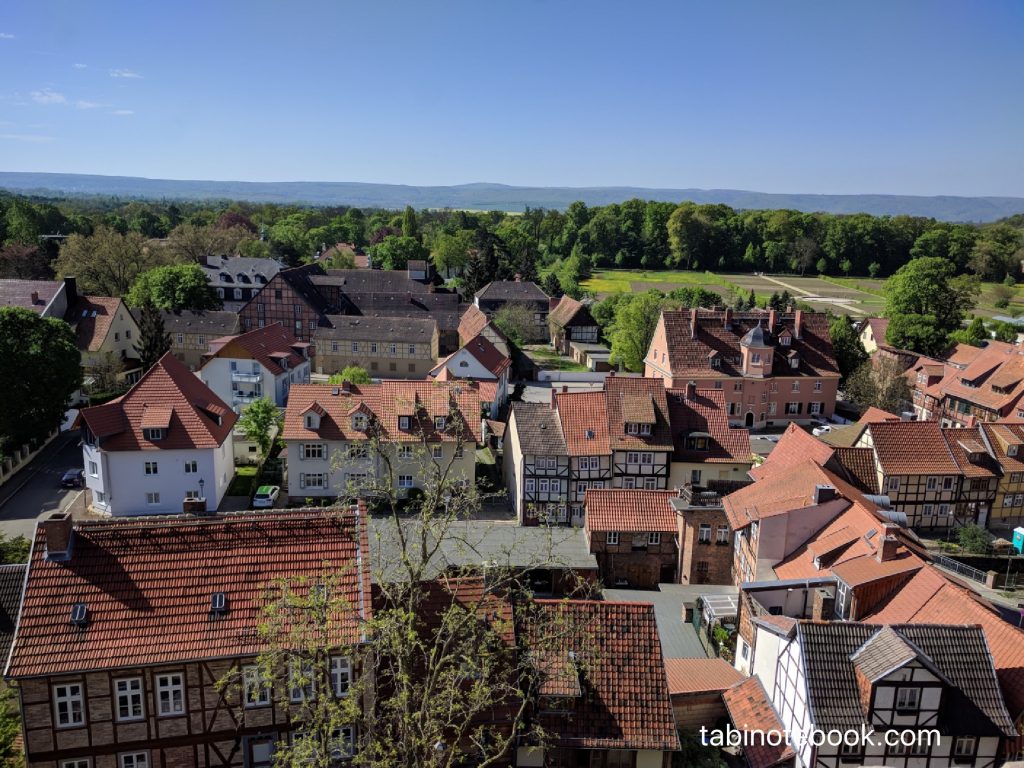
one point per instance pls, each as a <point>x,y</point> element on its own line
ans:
<point>772,367</point>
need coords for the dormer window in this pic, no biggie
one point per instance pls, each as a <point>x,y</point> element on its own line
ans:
<point>153,435</point>
<point>908,699</point>
<point>633,428</point>
<point>1011,450</point>
<point>403,422</point>
<point>794,362</point>
<point>439,423</point>
<point>755,358</point>
<point>312,421</point>
<point>699,443</point>
<point>716,362</point>
<point>785,340</point>
<point>359,422</point>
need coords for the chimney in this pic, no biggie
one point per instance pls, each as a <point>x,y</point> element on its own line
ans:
<point>773,317</point>
<point>565,388</point>
<point>35,297</point>
<point>798,321</point>
<point>408,298</point>
<point>553,393</point>
<point>822,605</point>
<point>823,493</point>
<point>58,530</point>
<point>693,323</point>
<point>71,290</point>
<point>728,319</point>
<point>889,544</point>
<point>691,390</point>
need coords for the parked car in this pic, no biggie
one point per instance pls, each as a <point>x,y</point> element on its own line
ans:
<point>73,478</point>
<point>266,496</point>
<point>823,429</point>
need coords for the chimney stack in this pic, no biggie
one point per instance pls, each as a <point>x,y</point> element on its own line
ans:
<point>58,530</point>
<point>773,317</point>
<point>798,321</point>
<point>691,390</point>
<point>728,319</point>
<point>693,323</point>
<point>35,297</point>
<point>889,543</point>
<point>823,493</point>
<point>346,386</point>
<point>553,393</point>
<point>71,290</point>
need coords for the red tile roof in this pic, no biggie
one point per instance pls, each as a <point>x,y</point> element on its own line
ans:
<point>994,379</point>
<point>422,400</point>
<point>931,598</point>
<point>1000,436</point>
<point>879,326</point>
<point>775,495</point>
<point>930,454</point>
<point>584,418</point>
<point>91,317</point>
<point>147,585</point>
<point>484,352</point>
<point>700,675</point>
<point>872,414</point>
<point>629,510</point>
<point>690,356</point>
<point>166,389</point>
<point>268,346</point>
<point>472,322</point>
<point>706,413</point>
<point>751,710</point>
<point>629,397</point>
<point>858,466</point>
<point>794,447</point>
<point>627,704</point>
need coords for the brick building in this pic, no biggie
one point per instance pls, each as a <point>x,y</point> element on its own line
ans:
<point>633,535</point>
<point>703,535</point>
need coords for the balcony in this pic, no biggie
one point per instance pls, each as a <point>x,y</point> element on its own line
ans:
<point>251,378</point>
<point>244,398</point>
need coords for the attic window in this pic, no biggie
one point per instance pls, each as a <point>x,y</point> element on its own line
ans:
<point>153,435</point>
<point>359,422</point>
<point>311,421</point>
<point>697,443</point>
<point>633,428</point>
<point>716,362</point>
<point>1011,450</point>
<point>794,362</point>
<point>439,423</point>
<point>218,604</point>
<point>403,422</point>
<point>589,434</point>
<point>79,614</point>
<point>785,340</point>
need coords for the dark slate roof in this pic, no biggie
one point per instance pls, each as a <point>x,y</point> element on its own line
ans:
<point>373,281</point>
<point>511,290</point>
<point>539,429</point>
<point>972,705</point>
<point>418,330</point>
<point>301,281</point>
<point>12,579</point>
<point>756,337</point>
<point>239,271</point>
<point>214,324</point>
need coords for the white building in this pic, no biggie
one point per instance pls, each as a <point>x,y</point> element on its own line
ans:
<point>166,441</point>
<point>479,360</point>
<point>265,362</point>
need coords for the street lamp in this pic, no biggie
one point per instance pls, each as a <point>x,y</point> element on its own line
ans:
<point>202,483</point>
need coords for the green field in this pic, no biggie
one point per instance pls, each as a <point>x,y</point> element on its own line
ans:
<point>854,296</point>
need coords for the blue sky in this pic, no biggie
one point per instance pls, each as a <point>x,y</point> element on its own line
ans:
<point>826,97</point>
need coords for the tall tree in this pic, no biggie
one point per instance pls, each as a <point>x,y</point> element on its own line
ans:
<point>410,227</point>
<point>849,352</point>
<point>925,302</point>
<point>174,286</point>
<point>45,366</point>
<point>880,382</point>
<point>516,321</point>
<point>189,243</point>
<point>260,422</point>
<point>636,317</point>
<point>154,341</point>
<point>106,263</point>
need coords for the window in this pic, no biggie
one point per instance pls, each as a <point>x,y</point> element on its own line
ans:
<point>412,349</point>
<point>312,325</point>
<point>334,346</point>
<point>341,674</point>
<point>313,451</point>
<point>82,762</point>
<point>629,482</point>
<point>93,469</point>
<point>849,753</point>
<point>723,534</point>
<point>133,760</point>
<point>947,483</point>
<point>737,386</point>
<point>964,746</point>
<point>403,422</point>
<point>908,698</point>
<point>894,484</point>
<point>405,481</point>
<point>654,538</point>
<point>69,705</point>
<point>1015,477</point>
<point>191,467</point>
<point>543,485</point>
<point>646,458</point>
<point>255,688</point>
<point>772,408</point>
<point>312,480</point>
<point>933,483</point>
<point>704,533</point>
<point>129,698</point>
<point>436,452</point>
<point>392,349</point>
<point>405,452</point>
<point>170,694</point>
<point>180,338</point>
<point>717,364</point>
<point>342,743</point>
<point>793,408</point>
<point>695,476</point>
<point>359,422</point>
<point>611,538</point>
<point>944,509</point>
<point>153,434</point>
<point>650,483</point>
<point>929,509</point>
<point>301,683</point>
<point>632,457</point>
<point>755,358</point>
<point>101,497</point>
<point>152,498</point>
<point>373,347</point>
<point>357,451</point>
<point>439,423</point>
<point>530,485</point>
<point>814,408</point>
<point>796,386</point>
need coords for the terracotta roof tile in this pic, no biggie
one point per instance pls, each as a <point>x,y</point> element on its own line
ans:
<point>751,710</point>
<point>700,675</point>
<point>628,397</point>
<point>147,585</point>
<point>269,346</point>
<point>858,466</point>
<point>472,322</point>
<point>627,703</point>
<point>584,419</point>
<point>966,442</point>
<point>872,414</point>
<point>706,413</point>
<point>931,454</point>
<point>629,510</point>
<point>167,386</point>
<point>91,317</point>
<point>1001,436</point>
<point>794,447</point>
<point>994,379</point>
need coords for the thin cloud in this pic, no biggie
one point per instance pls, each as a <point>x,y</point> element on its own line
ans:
<point>123,112</point>
<point>6,36</point>
<point>80,66</point>
<point>26,137</point>
<point>82,104</point>
<point>125,73</point>
<point>46,96</point>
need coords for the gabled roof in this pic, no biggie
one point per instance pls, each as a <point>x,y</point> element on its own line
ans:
<point>538,429</point>
<point>212,324</point>
<point>91,317</point>
<point>269,346</point>
<point>1000,436</point>
<point>12,579</point>
<point>238,271</point>
<point>872,414</point>
<point>882,653</point>
<point>626,701</point>
<point>794,447</point>
<point>688,355</point>
<point>777,494</point>
<point>879,326</point>
<point>168,392</point>
<point>632,398</point>
<point>993,379</point>
<point>930,454</point>
<point>407,330</point>
<point>750,709</point>
<point>930,597</point>
<point>584,420</point>
<point>423,401</point>
<point>857,465</point>
<point>472,322</point>
<point>972,703</point>
<point>700,675</point>
<point>483,351</point>
<point>568,310</point>
<point>629,510</point>
<point>18,293</point>
<point>706,414</point>
<point>512,290</point>
<point>147,584</point>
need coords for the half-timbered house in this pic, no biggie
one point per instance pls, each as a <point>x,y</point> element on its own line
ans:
<point>536,464</point>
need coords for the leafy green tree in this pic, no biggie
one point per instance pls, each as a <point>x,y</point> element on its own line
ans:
<point>1003,331</point>
<point>174,286</point>
<point>106,263</point>
<point>973,539</point>
<point>874,268</point>
<point>925,303</point>
<point>822,266</point>
<point>450,252</point>
<point>849,352</point>
<point>353,374</point>
<point>11,756</point>
<point>410,227</point>
<point>515,320</point>
<point>260,422</point>
<point>154,341</point>
<point>43,357</point>
<point>189,243</point>
<point>550,285</point>
<point>975,334</point>
<point>13,549</point>
<point>396,252</point>
<point>880,382</point>
<point>636,317</point>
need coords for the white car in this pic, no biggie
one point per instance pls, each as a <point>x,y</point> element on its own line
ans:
<point>266,496</point>
<point>823,429</point>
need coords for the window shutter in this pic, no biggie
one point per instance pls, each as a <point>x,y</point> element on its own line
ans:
<point>302,480</point>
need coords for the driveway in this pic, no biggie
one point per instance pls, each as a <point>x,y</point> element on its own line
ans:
<point>35,492</point>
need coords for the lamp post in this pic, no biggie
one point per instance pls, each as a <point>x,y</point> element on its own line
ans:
<point>202,484</point>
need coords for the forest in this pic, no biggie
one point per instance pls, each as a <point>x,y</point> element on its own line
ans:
<point>45,237</point>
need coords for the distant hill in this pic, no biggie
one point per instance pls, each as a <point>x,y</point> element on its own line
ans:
<point>497,196</point>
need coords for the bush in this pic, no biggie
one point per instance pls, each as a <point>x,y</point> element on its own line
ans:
<point>973,539</point>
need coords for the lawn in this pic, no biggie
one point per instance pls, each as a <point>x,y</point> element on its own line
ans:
<point>547,359</point>
<point>613,280</point>
<point>241,483</point>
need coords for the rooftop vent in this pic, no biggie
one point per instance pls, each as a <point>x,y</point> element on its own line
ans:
<point>80,614</point>
<point>218,604</point>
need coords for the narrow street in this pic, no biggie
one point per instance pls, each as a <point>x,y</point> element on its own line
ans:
<point>35,491</point>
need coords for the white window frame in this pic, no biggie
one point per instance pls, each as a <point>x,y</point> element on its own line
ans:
<point>814,408</point>
<point>255,690</point>
<point>722,534</point>
<point>170,694</point>
<point>965,746</point>
<point>65,712</point>
<point>405,451</point>
<point>405,481</point>
<point>439,423</point>
<point>152,468</point>
<point>94,469</point>
<point>704,533</point>
<point>611,538</point>
<point>133,760</point>
<point>77,762</point>
<point>530,485</point>
<point>647,458</point>
<point>632,457</point>
<point>933,484</point>
<point>947,483</point>
<point>130,694</point>
<point>908,699</point>
<point>191,467</point>
<point>314,451</point>
<point>893,484</point>
<point>403,422</point>
<point>653,538</point>
<point>341,675</point>
<point>297,694</point>
<point>437,452</point>
<point>152,498</point>
<point>650,483</point>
